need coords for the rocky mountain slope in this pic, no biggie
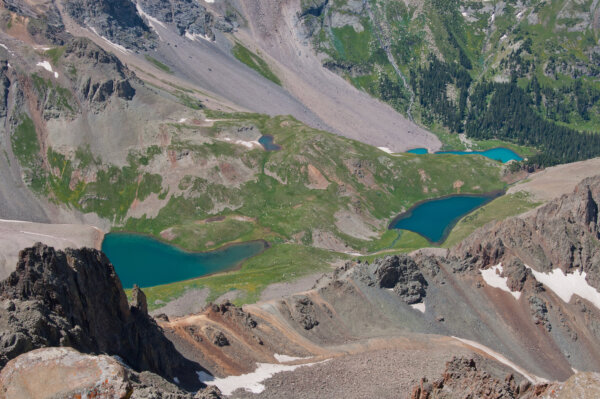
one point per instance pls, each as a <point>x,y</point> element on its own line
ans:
<point>75,299</point>
<point>488,302</point>
<point>439,62</point>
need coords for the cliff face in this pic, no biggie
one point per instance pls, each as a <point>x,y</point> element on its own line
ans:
<point>117,20</point>
<point>561,234</point>
<point>75,299</point>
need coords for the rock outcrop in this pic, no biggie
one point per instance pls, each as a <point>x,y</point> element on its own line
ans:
<point>462,379</point>
<point>402,275</point>
<point>100,74</point>
<point>66,373</point>
<point>75,299</point>
<point>116,20</point>
<point>561,234</point>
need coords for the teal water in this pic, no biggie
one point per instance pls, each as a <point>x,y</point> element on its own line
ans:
<point>268,143</point>
<point>498,154</point>
<point>148,262</point>
<point>435,218</point>
<point>418,151</point>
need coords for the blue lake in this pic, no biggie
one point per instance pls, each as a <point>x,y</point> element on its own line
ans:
<point>501,154</point>
<point>268,143</point>
<point>148,262</point>
<point>418,151</point>
<point>434,219</point>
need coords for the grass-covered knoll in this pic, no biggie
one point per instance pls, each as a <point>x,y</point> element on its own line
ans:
<point>282,263</point>
<point>497,210</point>
<point>255,62</point>
<point>319,184</point>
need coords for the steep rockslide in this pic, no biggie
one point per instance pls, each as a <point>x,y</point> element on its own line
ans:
<point>75,299</point>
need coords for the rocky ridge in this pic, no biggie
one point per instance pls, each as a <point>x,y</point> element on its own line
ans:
<point>74,299</point>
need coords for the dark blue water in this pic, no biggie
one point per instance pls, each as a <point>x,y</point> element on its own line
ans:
<point>418,151</point>
<point>498,154</point>
<point>435,218</point>
<point>148,262</point>
<point>268,143</point>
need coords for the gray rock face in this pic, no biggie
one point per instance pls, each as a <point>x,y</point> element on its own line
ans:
<point>402,274</point>
<point>74,298</point>
<point>4,86</point>
<point>117,20</point>
<point>100,75</point>
<point>303,312</point>
<point>188,16</point>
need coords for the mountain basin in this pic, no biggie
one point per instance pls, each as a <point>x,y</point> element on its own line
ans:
<point>434,219</point>
<point>147,262</point>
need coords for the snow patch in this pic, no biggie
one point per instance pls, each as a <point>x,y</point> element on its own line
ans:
<point>251,382</point>
<point>520,15</point>
<point>182,120</point>
<point>114,45</point>
<point>493,279</point>
<point>176,380</point>
<point>249,144</point>
<point>46,65</point>
<point>3,46</point>
<point>503,38</point>
<point>464,14</point>
<point>419,306</point>
<point>567,285</point>
<point>286,358</point>
<point>195,36</point>
<point>385,149</point>
<point>153,22</point>
<point>499,357</point>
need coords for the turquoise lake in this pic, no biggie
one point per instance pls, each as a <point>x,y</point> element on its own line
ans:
<point>501,154</point>
<point>268,143</point>
<point>418,151</point>
<point>148,262</point>
<point>435,218</point>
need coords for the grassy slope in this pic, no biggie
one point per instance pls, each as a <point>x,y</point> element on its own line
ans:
<point>255,62</point>
<point>499,209</point>
<point>284,262</point>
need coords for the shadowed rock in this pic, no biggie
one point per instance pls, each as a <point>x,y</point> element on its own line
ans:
<point>74,298</point>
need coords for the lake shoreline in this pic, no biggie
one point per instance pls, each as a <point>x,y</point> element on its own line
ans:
<point>490,196</point>
<point>125,270</point>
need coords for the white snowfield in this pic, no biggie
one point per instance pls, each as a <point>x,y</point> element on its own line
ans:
<point>419,306</point>
<point>251,382</point>
<point>46,65</point>
<point>286,358</point>
<point>567,285</point>
<point>499,357</point>
<point>493,279</point>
